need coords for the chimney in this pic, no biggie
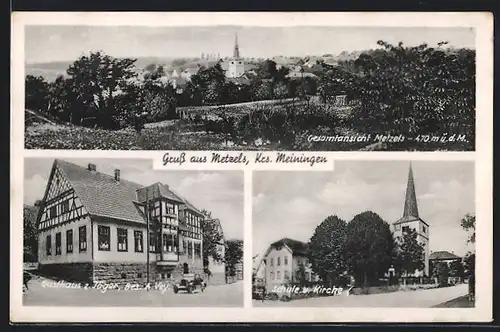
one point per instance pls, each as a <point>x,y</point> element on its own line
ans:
<point>117,175</point>
<point>92,167</point>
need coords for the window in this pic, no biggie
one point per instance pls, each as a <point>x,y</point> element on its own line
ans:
<point>406,229</point>
<point>170,208</point>
<point>138,241</point>
<point>271,262</point>
<point>278,275</point>
<point>122,236</point>
<point>65,206</point>
<point>103,238</point>
<point>190,249</point>
<point>278,261</point>
<point>185,268</point>
<point>285,260</point>
<point>424,229</point>
<point>82,238</point>
<point>48,245</point>
<point>53,211</point>
<point>287,275</point>
<point>69,241</point>
<point>58,243</point>
<point>152,242</point>
<point>272,275</point>
<point>169,243</point>
<point>197,250</point>
<point>139,275</point>
<point>184,246</point>
<point>124,276</point>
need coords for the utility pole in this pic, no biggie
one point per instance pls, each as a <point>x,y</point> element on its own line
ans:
<point>147,231</point>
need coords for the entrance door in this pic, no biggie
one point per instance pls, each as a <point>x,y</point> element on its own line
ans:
<point>185,268</point>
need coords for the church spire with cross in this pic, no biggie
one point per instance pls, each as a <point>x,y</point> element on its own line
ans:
<point>411,207</point>
<point>236,52</point>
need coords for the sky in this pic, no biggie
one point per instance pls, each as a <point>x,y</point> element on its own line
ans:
<point>218,192</point>
<point>66,43</point>
<point>292,204</point>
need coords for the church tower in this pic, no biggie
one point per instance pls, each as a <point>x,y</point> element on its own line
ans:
<point>236,66</point>
<point>412,220</point>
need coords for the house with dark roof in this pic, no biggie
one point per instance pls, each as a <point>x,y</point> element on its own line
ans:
<point>97,227</point>
<point>443,256</point>
<point>282,261</point>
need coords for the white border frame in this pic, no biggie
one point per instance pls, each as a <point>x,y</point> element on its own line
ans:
<point>483,25</point>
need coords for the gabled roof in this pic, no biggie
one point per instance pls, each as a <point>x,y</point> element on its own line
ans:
<point>297,247</point>
<point>191,207</point>
<point>157,190</point>
<point>443,255</point>
<point>101,195</point>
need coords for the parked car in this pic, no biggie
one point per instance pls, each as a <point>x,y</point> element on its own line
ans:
<point>191,283</point>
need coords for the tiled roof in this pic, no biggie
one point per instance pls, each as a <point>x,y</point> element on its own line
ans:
<point>297,247</point>
<point>443,255</point>
<point>101,194</point>
<point>191,207</point>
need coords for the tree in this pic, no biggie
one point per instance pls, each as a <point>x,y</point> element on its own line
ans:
<point>325,251</point>
<point>98,77</point>
<point>369,247</point>
<point>468,223</point>
<point>457,269</point>
<point>233,255</point>
<point>212,239</point>
<point>410,254</point>
<point>36,93</point>
<point>30,233</point>
<point>469,262</point>
<point>443,273</point>
<point>416,90</point>
<point>300,274</point>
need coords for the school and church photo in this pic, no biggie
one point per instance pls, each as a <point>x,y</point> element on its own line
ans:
<point>383,231</point>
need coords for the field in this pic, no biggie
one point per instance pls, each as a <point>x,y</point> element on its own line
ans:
<point>266,125</point>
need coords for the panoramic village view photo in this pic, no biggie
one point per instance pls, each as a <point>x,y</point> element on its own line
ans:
<point>368,234</point>
<point>115,232</point>
<point>249,88</point>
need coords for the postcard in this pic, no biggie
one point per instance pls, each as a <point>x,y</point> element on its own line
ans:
<point>251,167</point>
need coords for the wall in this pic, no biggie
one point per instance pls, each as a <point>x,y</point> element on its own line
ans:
<point>74,257</point>
<point>274,268</point>
<point>113,255</point>
<point>422,238</point>
<point>236,68</point>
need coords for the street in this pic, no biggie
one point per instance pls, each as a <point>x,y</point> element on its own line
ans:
<point>229,295</point>
<point>408,299</point>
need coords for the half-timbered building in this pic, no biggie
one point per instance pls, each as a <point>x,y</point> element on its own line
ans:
<point>98,227</point>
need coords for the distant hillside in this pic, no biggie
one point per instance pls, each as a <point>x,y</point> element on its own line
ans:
<point>51,70</point>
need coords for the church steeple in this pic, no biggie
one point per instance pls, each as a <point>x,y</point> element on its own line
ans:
<point>236,52</point>
<point>411,208</point>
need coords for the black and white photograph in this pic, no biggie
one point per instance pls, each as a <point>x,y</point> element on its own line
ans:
<point>114,232</point>
<point>244,87</point>
<point>369,234</point>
